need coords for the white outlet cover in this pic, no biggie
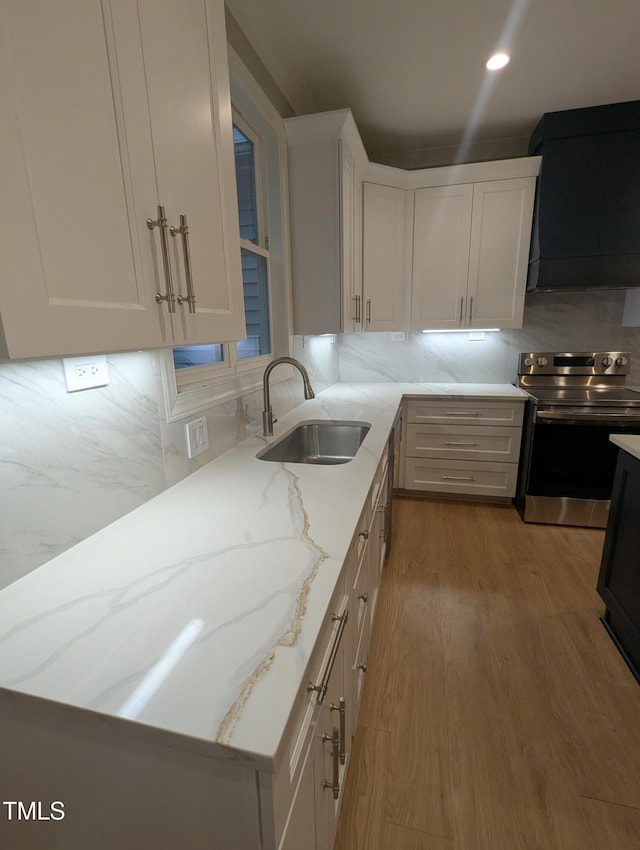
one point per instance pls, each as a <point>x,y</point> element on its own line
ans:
<point>84,373</point>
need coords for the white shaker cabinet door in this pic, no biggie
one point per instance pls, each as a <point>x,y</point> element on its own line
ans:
<point>499,253</point>
<point>185,57</point>
<point>385,284</point>
<point>78,182</point>
<point>442,225</point>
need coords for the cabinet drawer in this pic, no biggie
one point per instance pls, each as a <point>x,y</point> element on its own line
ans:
<point>464,442</point>
<point>478,412</point>
<point>461,477</point>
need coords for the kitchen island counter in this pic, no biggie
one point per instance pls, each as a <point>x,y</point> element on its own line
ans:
<point>628,442</point>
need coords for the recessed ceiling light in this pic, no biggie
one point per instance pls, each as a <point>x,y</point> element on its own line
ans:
<point>498,60</point>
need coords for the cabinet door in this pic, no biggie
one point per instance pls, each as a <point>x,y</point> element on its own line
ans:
<point>188,80</point>
<point>441,233</point>
<point>351,281</point>
<point>300,832</point>
<point>499,254</point>
<point>77,178</point>
<point>385,290</point>
<point>331,739</point>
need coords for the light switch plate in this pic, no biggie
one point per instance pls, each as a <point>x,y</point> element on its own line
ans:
<point>197,436</point>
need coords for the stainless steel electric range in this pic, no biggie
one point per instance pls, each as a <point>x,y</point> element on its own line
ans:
<point>567,463</point>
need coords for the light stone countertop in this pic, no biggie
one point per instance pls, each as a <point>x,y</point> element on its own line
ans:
<point>630,443</point>
<point>196,614</point>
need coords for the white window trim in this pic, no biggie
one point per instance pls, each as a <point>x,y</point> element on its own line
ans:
<point>251,134</point>
<point>224,382</point>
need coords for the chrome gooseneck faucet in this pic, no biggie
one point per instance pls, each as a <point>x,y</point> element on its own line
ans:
<point>267,414</point>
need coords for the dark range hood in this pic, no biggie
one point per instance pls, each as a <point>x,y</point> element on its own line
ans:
<point>586,225</point>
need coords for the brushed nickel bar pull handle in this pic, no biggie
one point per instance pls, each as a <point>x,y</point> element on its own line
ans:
<point>368,311</point>
<point>321,687</point>
<point>462,413</point>
<point>183,231</point>
<point>358,309</point>
<point>334,785</point>
<point>461,305</point>
<point>458,478</point>
<point>454,443</point>
<point>470,310</point>
<point>341,708</point>
<point>161,222</point>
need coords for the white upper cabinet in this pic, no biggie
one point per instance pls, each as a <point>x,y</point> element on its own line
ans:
<point>471,249</point>
<point>325,155</point>
<point>385,292</point>
<point>111,109</point>
<point>499,252</point>
<point>442,226</point>
<point>186,65</point>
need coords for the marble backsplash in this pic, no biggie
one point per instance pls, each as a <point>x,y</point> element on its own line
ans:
<point>577,321</point>
<point>71,463</point>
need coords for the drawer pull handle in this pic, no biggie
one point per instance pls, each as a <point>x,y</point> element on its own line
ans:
<point>458,478</point>
<point>321,687</point>
<point>454,443</point>
<point>462,413</point>
<point>334,785</point>
<point>341,708</point>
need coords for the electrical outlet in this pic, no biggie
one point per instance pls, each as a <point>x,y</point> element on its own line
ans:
<point>197,436</point>
<point>83,373</point>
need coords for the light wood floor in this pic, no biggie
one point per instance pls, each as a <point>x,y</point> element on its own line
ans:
<point>497,713</point>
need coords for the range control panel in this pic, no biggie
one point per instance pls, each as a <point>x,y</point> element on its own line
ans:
<point>574,363</point>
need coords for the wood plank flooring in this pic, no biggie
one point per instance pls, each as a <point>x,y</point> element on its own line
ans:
<point>497,713</point>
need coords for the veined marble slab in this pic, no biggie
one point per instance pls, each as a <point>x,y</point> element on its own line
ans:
<point>196,613</point>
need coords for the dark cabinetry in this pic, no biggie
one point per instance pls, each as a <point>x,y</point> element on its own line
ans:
<point>619,580</point>
<point>586,230</point>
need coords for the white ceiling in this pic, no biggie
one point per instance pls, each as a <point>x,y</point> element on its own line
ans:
<point>412,71</point>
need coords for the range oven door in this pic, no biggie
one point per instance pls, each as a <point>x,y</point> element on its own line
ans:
<point>571,464</point>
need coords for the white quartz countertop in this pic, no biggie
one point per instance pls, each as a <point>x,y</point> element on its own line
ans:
<point>630,443</point>
<point>195,615</point>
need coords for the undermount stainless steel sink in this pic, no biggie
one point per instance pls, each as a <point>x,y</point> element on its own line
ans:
<point>321,442</point>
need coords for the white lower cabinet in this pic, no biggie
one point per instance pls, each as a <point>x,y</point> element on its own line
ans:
<point>463,447</point>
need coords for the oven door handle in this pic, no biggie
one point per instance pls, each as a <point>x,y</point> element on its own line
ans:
<point>595,418</point>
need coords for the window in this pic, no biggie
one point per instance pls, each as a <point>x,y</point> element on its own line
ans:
<point>253,241</point>
<point>199,376</point>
